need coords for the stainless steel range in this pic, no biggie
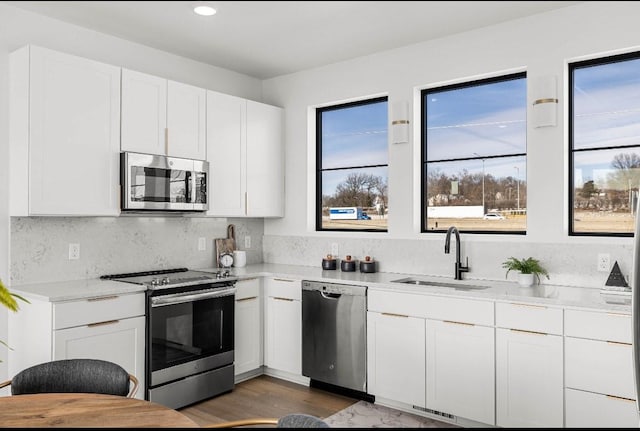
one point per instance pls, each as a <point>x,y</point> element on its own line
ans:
<point>189,333</point>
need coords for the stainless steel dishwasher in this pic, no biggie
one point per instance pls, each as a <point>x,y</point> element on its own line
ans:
<point>334,337</point>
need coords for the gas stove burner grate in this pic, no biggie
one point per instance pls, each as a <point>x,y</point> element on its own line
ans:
<point>143,273</point>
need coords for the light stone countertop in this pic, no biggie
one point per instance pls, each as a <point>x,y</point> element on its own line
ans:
<point>76,289</point>
<point>503,291</point>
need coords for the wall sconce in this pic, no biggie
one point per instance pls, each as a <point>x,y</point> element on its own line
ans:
<point>545,101</point>
<point>400,123</point>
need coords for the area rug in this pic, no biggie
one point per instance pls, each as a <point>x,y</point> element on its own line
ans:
<point>366,415</point>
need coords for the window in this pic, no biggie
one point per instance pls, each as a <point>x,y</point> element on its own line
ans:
<point>474,173</point>
<point>351,177</point>
<point>604,115</point>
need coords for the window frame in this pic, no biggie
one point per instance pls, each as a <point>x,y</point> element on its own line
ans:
<point>319,170</point>
<point>423,150</point>
<point>571,67</point>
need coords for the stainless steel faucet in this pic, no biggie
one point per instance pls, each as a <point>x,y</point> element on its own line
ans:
<point>447,244</point>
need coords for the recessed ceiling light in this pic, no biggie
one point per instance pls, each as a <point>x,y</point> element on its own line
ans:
<point>204,10</point>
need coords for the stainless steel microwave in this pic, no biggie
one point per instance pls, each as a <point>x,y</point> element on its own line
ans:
<point>151,182</point>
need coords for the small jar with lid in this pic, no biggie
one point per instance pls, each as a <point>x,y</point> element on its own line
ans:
<point>348,265</point>
<point>329,263</point>
<point>368,264</point>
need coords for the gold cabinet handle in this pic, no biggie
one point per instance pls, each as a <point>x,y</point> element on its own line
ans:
<point>517,304</point>
<point>394,315</point>
<point>102,298</point>
<point>528,332</point>
<point>284,279</point>
<point>282,299</point>
<point>618,343</point>
<point>108,322</point>
<point>246,299</point>
<point>629,400</point>
<point>458,323</point>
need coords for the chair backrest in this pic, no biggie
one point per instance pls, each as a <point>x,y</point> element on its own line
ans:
<point>73,375</point>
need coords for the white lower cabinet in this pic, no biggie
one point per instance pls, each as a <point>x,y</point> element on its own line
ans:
<point>461,370</point>
<point>396,357</point>
<point>599,388</point>
<point>283,332</point>
<point>529,388</point>
<point>110,328</point>
<point>248,326</point>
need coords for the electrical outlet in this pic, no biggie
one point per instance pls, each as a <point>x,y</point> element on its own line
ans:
<point>74,251</point>
<point>334,249</point>
<point>604,262</point>
<point>247,241</point>
<point>202,243</point>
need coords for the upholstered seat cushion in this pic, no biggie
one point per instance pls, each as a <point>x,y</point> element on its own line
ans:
<point>72,375</point>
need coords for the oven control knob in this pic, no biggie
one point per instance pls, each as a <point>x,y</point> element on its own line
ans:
<point>155,282</point>
<point>166,280</point>
<point>226,274</point>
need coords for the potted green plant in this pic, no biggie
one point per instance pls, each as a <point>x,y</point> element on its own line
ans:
<point>529,268</point>
<point>8,299</point>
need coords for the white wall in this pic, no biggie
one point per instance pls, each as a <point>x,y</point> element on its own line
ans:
<point>541,45</point>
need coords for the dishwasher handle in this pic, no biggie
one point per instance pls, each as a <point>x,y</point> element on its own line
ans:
<point>330,295</point>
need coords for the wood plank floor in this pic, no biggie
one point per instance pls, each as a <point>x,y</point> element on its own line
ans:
<point>266,396</point>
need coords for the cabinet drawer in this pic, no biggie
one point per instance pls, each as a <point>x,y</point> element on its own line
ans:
<point>283,288</point>
<point>598,326</point>
<point>529,317</point>
<point>599,366</point>
<point>96,310</point>
<point>432,307</point>
<point>589,410</point>
<point>248,288</point>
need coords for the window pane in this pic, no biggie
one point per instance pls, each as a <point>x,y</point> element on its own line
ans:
<point>486,119</point>
<point>355,136</point>
<point>605,189</point>
<point>606,105</point>
<point>474,156</point>
<point>354,199</point>
<point>352,167</point>
<point>454,194</point>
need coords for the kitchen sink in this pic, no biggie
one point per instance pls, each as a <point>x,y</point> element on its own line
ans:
<point>420,282</point>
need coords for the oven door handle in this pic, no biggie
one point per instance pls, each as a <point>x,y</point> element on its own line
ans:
<point>180,298</point>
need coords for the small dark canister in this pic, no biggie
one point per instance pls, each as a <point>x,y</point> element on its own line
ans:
<point>329,263</point>
<point>348,265</point>
<point>367,265</point>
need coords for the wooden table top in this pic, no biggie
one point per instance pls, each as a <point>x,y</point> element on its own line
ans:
<point>87,411</point>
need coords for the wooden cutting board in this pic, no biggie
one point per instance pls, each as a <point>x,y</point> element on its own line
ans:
<point>225,245</point>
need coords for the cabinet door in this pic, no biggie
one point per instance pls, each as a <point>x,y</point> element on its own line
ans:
<point>461,370</point>
<point>529,379</point>
<point>284,335</point>
<point>396,357</point>
<point>144,113</point>
<point>120,341</point>
<point>265,161</point>
<point>226,153</point>
<point>74,135</point>
<point>248,327</point>
<point>186,121</point>
<point>591,410</point>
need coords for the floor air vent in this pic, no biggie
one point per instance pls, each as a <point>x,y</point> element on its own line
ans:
<point>434,412</point>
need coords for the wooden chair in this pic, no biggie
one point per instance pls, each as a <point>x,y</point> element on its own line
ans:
<point>294,420</point>
<point>74,375</point>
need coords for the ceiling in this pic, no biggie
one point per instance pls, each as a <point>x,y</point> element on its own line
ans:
<point>268,39</point>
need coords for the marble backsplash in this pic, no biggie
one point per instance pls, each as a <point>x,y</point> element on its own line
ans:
<point>110,245</point>
<point>568,264</point>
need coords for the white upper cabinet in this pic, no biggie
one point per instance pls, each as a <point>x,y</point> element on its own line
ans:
<point>186,121</point>
<point>162,117</point>
<point>144,113</point>
<point>64,134</point>
<point>246,159</point>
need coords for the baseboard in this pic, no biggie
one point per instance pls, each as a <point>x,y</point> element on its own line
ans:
<point>351,393</point>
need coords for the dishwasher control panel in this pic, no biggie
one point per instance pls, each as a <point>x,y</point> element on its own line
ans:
<point>334,288</point>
